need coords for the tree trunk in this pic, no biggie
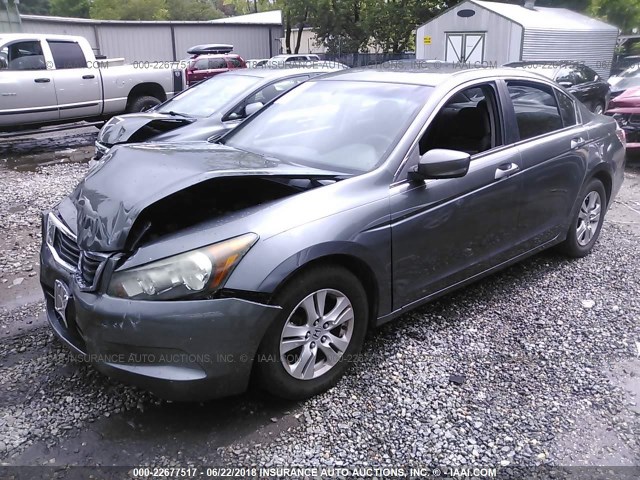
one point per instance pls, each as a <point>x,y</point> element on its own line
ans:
<point>287,32</point>
<point>255,6</point>
<point>301,30</point>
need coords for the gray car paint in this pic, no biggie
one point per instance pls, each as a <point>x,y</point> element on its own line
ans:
<point>408,242</point>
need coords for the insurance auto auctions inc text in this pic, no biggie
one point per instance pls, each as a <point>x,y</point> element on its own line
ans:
<point>383,472</point>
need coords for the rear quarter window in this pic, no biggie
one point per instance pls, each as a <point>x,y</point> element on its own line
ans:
<point>567,109</point>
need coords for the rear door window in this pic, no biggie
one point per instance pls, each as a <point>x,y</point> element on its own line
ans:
<point>588,74</point>
<point>67,55</point>
<point>535,107</point>
<point>217,63</point>
<point>202,64</point>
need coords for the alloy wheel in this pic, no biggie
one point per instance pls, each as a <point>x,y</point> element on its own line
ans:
<point>589,218</point>
<point>316,334</point>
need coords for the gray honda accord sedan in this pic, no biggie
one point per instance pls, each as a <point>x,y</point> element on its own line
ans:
<point>193,269</point>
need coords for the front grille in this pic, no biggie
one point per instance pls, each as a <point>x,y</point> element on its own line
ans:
<point>66,248</point>
<point>89,266</point>
<point>86,266</point>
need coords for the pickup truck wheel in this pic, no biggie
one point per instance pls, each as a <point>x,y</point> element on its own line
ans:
<point>142,104</point>
<point>315,339</point>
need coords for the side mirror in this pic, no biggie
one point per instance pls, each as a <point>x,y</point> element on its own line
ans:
<point>565,84</point>
<point>441,163</point>
<point>4,64</point>
<point>252,108</point>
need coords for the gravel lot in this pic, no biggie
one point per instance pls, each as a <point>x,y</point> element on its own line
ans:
<point>546,352</point>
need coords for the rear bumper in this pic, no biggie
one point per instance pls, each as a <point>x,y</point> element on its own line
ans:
<point>180,350</point>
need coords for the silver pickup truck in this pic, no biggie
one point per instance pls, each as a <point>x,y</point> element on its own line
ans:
<point>49,79</point>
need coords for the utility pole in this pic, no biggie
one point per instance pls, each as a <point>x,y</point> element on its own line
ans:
<point>10,16</point>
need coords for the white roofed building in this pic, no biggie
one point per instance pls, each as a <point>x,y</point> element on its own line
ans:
<point>481,32</point>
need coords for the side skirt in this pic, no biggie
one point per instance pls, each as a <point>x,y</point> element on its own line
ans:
<point>391,316</point>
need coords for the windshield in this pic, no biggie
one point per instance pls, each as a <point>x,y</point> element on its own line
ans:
<point>336,125</point>
<point>209,97</point>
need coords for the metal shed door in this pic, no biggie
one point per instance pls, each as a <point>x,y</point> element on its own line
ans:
<point>464,47</point>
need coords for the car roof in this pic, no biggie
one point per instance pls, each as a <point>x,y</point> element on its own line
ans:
<point>428,77</point>
<point>544,63</point>
<point>278,72</point>
<point>214,55</point>
<point>39,36</point>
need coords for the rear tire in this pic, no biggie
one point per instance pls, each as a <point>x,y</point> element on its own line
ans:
<point>303,353</point>
<point>142,104</point>
<point>586,221</point>
<point>598,108</point>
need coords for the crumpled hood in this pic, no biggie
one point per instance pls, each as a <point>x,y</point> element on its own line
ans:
<point>628,98</point>
<point>126,128</point>
<point>133,177</point>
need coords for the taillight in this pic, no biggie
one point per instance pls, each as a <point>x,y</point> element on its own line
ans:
<point>189,73</point>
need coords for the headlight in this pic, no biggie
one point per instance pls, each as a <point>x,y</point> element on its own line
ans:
<point>199,271</point>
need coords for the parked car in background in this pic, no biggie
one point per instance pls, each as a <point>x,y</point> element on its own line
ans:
<point>629,78</point>
<point>211,60</point>
<point>257,62</point>
<point>190,269</point>
<point>580,80</point>
<point>49,79</point>
<point>210,108</point>
<point>296,57</point>
<point>625,108</point>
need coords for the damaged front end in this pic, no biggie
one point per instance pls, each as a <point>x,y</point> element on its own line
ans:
<point>133,259</point>
<point>135,128</point>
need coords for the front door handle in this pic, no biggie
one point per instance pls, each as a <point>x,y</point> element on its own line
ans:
<point>577,142</point>
<point>88,77</point>
<point>42,80</point>
<point>506,170</point>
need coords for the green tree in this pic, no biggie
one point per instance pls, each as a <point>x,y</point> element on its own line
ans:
<point>70,8</point>
<point>391,24</point>
<point>131,10</point>
<point>339,24</point>
<point>34,7</point>
<point>295,14</point>
<point>625,14</point>
<point>192,10</point>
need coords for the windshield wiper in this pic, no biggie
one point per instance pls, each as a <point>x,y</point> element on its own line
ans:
<point>176,114</point>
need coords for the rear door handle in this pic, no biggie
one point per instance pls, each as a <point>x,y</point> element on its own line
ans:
<point>88,77</point>
<point>506,170</point>
<point>577,142</point>
<point>42,80</point>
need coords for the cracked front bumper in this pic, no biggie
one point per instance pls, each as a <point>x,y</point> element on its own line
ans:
<point>180,350</point>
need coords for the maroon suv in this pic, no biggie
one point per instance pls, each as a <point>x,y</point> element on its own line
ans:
<point>210,60</point>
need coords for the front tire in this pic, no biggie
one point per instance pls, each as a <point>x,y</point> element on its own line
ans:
<point>587,220</point>
<point>313,342</point>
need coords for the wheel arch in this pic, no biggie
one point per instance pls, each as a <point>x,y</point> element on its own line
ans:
<point>604,175</point>
<point>344,257</point>
<point>151,89</point>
